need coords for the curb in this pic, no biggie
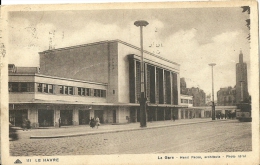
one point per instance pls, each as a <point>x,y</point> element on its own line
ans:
<point>113,131</point>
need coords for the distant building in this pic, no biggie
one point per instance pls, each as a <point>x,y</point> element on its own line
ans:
<point>187,100</point>
<point>241,81</point>
<point>226,96</point>
<point>199,96</point>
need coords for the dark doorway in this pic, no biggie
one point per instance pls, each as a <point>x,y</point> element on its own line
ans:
<point>66,117</point>
<point>99,114</point>
<point>160,114</point>
<point>84,117</point>
<point>138,114</point>
<point>167,113</point>
<point>132,115</point>
<point>16,117</point>
<point>45,118</point>
<point>114,116</point>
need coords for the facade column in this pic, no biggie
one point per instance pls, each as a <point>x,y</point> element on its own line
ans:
<point>202,113</point>
<point>155,86</point>
<point>184,114</point>
<point>136,101</point>
<point>171,114</point>
<point>164,86</point>
<point>56,116</point>
<point>33,116</point>
<point>156,114</point>
<point>75,117</point>
<point>178,88</point>
<point>135,115</point>
<point>179,113</point>
<point>163,113</point>
<point>171,88</point>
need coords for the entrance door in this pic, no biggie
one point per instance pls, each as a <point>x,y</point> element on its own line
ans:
<point>84,117</point>
<point>16,117</point>
<point>114,116</point>
<point>45,118</point>
<point>66,117</point>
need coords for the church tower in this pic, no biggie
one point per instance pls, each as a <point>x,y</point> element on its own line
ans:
<point>241,80</point>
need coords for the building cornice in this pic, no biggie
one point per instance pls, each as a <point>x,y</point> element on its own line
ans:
<point>54,77</point>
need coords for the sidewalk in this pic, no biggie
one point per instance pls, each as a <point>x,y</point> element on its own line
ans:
<point>82,130</point>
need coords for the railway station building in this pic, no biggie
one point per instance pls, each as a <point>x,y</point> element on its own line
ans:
<point>100,79</point>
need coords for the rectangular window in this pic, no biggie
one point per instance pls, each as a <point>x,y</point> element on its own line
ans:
<point>39,87</point>
<point>95,92</point>
<point>98,92</point>
<point>190,101</point>
<point>70,90</point>
<point>30,87</point>
<point>50,88</point>
<point>45,88</point>
<point>61,89</point>
<point>88,93</point>
<point>24,87</point>
<point>83,92</point>
<point>14,87</point>
<point>79,91</point>
<point>66,90</point>
<point>103,93</point>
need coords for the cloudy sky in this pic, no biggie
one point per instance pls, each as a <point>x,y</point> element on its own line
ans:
<point>192,37</point>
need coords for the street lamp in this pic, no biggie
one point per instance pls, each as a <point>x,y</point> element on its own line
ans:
<point>142,99</point>
<point>213,105</point>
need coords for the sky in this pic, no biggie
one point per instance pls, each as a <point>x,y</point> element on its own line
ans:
<point>192,37</point>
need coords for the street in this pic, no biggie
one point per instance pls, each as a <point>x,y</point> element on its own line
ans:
<point>217,136</point>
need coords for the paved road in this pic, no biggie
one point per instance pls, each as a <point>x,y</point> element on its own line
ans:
<point>225,136</point>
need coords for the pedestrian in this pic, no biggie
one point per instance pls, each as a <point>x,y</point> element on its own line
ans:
<point>28,124</point>
<point>92,122</point>
<point>59,122</point>
<point>97,122</point>
<point>24,124</point>
<point>173,117</point>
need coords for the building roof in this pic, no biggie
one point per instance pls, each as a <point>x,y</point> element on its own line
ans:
<point>108,41</point>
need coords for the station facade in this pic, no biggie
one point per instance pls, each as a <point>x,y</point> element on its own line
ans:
<point>99,79</point>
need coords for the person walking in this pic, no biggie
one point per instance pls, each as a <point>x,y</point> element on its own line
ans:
<point>173,117</point>
<point>92,122</point>
<point>97,122</point>
<point>59,122</point>
<point>28,124</point>
<point>24,124</point>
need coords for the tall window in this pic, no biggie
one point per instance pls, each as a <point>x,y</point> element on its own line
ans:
<point>88,92</point>
<point>66,90</point>
<point>61,88</point>
<point>50,88</point>
<point>45,88</point>
<point>39,87</point>
<point>103,93</point>
<point>70,90</point>
<point>79,91</point>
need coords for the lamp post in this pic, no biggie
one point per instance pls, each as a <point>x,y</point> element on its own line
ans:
<point>213,104</point>
<point>142,99</point>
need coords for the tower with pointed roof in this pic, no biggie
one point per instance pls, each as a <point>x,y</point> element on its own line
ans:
<point>241,80</point>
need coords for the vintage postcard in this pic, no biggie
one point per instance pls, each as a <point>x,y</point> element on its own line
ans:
<point>130,83</point>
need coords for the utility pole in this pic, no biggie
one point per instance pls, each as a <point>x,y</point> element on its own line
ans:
<point>143,98</point>
<point>213,104</point>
